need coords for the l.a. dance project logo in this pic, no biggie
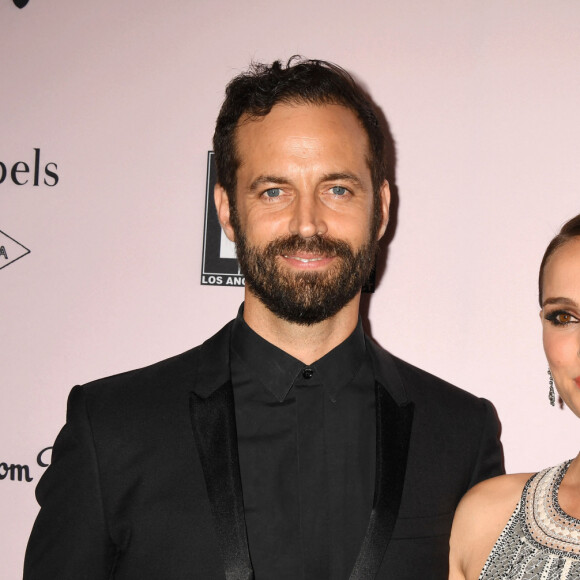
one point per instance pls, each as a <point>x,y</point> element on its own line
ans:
<point>10,250</point>
<point>219,265</point>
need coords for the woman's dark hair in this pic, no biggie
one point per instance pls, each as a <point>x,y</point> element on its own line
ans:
<point>253,94</point>
<point>571,229</point>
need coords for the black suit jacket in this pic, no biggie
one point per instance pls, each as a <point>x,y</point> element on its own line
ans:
<point>144,482</point>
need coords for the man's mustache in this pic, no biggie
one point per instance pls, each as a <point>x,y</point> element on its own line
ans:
<point>319,245</point>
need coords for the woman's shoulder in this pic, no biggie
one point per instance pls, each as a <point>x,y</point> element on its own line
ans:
<point>491,502</point>
<point>503,489</point>
<point>479,520</point>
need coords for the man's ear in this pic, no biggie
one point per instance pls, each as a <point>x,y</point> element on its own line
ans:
<point>222,206</point>
<point>385,194</point>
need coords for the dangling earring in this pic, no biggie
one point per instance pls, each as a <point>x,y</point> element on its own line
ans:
<point>551,394</point>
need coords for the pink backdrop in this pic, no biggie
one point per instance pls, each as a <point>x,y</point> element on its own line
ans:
<point>121,97</point>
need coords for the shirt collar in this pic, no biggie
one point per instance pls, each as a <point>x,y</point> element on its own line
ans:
<point>279,372</point>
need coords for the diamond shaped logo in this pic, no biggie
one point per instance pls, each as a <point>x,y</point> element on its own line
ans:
<point>10,250</point>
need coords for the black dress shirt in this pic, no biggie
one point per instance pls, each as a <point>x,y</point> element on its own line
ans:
<point>306,442</point>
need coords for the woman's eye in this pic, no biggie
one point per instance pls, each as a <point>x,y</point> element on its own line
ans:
<point>273,192</point>
<point>561,318</point>
<point>338,190</point>
<point>564,318</point>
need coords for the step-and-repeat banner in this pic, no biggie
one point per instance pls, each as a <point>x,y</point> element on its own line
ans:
<point>111,257</point>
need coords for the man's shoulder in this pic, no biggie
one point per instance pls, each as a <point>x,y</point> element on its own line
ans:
<point>168,374</point>
<point>422,380</point>
<point>419,384</point>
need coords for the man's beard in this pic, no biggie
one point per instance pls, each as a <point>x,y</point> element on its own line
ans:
<point>305,297</point>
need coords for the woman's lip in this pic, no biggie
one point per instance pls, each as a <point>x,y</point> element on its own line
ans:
<point>577,381</point>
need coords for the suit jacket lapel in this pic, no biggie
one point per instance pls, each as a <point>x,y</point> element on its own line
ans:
<point>214,428</point>
<point>394,422</point>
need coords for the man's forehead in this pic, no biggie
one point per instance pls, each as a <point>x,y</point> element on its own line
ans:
<point>295,108</point>
<point>301,122</point>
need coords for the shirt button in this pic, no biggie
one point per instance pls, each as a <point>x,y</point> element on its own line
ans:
<point>307,373</point>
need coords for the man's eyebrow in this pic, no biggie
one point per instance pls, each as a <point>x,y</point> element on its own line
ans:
<point>267,179</point>
<point>279,180</point>
<point>342,177</point>
<point>560,300</point>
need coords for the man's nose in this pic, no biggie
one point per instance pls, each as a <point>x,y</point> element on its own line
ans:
<point>307,217</point>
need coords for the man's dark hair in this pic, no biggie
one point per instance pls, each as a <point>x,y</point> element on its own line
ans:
<point>570,230</point>
<point>253,93</point>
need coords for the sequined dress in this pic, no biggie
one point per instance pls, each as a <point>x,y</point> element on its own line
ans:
<point>540,541</point>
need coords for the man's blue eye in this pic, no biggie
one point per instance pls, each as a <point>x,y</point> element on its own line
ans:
<point>273,192</point>
<point>338,190</point>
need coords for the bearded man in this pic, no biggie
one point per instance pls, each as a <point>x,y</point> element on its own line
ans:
<point>289,445</point>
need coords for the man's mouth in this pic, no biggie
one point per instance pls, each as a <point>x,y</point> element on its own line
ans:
<point>304,260</point>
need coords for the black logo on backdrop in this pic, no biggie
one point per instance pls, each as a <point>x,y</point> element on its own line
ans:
<point>18,472</point>
<point>219,266</point>
<point>22,173</point>
<point>21,3</point>
<point>10,250</point>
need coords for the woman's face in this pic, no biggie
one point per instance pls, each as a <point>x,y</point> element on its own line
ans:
<point>561,321</point>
